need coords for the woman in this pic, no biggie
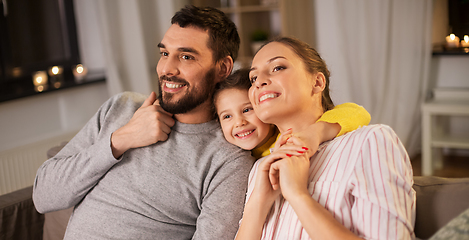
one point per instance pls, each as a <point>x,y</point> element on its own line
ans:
<point>356,186</point>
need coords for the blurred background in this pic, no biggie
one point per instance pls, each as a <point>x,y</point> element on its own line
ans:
<point>394,57</point>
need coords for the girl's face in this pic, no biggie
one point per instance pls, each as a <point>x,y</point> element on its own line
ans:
<point>281,86</point>
<point>239,123</point>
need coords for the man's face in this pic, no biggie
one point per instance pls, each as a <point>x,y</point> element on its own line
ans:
<point>186,69</point>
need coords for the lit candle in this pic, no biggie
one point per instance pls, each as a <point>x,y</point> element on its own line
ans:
<point>40,81</point>
<point>55,70</point>
<point>56,76</point>
<point>452,41</point>
<point>79,71</point>
<point>465,42</point>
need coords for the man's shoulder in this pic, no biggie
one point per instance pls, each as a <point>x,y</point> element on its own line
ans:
<point>129,97</point>
<point>124,100</point>
<point>228,151</point>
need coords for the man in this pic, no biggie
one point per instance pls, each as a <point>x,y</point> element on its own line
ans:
<point>128,178</point>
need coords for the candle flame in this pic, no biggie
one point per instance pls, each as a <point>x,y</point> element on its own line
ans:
<point>466,38</point>
<point>55,70</point>
<point>452,36</point>
<point>79,68</point>
<point>39,80</point>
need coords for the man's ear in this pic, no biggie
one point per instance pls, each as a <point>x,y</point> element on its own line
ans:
<point>319,82</point>
<point>225,66</point>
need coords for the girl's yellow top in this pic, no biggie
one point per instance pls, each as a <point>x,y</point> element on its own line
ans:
<point>349,116</point>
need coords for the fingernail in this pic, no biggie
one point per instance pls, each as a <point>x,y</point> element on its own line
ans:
<point>289,155</point>
<point>305,148</point>
<point>289,129</point>
<point>301,151</point>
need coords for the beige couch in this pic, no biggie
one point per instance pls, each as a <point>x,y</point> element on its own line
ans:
<point>438,201</point>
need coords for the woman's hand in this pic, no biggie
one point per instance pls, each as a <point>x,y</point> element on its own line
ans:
<point>290,174</point>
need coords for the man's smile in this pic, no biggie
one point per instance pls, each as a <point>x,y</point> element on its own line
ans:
<point>173,86</point>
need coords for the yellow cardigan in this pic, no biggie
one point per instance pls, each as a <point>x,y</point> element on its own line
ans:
<point>349,116</point>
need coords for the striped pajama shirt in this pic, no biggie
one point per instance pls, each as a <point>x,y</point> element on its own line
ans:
<point>363,178</point>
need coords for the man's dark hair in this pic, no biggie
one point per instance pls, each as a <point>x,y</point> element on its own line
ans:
<point>224,39</point>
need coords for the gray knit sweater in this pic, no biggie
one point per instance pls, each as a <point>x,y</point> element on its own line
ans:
<point>191,186</point>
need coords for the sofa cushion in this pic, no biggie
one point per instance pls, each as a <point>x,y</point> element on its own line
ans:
<point>439,200</point>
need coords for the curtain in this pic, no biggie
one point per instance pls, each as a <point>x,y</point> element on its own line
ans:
<point>379,55</point>
<point>130,31</point>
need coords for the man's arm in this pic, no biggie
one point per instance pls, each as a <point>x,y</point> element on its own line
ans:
<point>62,181</point>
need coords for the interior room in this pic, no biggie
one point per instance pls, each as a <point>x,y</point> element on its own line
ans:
<point>395,58</point>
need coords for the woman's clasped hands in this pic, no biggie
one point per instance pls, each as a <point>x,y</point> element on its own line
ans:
<point>284,171</point>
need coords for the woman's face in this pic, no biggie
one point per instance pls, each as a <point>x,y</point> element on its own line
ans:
<point>281,86</point>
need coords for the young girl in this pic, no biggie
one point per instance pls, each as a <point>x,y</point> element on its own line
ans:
<point>243,128</point>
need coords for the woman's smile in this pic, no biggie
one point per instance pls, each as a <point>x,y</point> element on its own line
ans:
<point>267,95</point>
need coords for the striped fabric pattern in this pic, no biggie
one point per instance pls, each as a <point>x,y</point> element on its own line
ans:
<point>364,179</point>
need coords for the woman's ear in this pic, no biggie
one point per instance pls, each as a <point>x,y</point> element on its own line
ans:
<point>319,82</point>
<point>225,66</point>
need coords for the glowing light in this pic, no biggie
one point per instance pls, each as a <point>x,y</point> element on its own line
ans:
<point>79,68</point>
<point>452,36</point>
<point>79,71</point>
<point>465,43</point>
<point>39,80</point>
<point>55,70</point>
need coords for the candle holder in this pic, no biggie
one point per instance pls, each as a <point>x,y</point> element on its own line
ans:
<point>79,72</point>
<point>40,81</point>
<point>465,42</point>
<point>452,41</point>
<point>56,76</point>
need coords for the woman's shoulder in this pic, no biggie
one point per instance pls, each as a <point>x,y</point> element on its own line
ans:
<point>372,131</point>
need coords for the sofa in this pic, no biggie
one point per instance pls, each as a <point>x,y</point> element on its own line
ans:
<point>438,201</point>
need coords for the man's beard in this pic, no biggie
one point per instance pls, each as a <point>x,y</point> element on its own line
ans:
<point>192,99</point>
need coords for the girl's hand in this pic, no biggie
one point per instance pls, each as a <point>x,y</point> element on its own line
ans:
<point>284,142</point>
<point>316,134</point>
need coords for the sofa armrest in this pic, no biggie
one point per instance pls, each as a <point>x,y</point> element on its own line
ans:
<point>438,201</point>
<point>18,216</point>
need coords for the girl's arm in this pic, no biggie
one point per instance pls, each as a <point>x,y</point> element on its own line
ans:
<point>349,116</point>
<point>342,119</point>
